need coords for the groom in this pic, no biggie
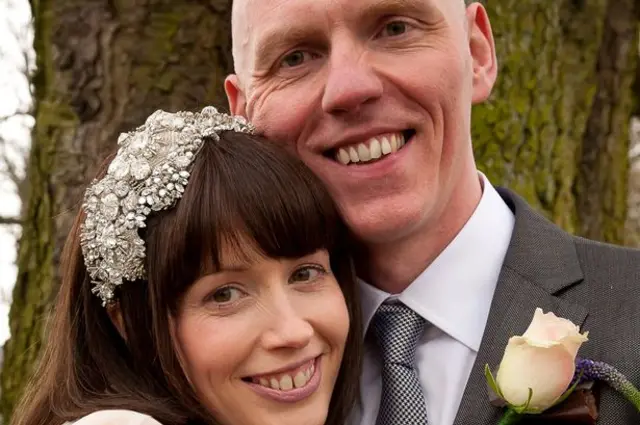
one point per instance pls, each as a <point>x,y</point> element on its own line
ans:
<point>375,96</point>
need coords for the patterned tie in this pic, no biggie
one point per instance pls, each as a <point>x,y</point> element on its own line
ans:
<point>397,329</point>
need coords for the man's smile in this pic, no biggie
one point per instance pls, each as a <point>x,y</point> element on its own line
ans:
<point>372,149</point>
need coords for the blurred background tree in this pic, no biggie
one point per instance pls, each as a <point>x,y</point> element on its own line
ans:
<point>555,130</point>
<point>102,68</point>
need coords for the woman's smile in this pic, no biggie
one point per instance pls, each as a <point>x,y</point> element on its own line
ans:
<point>290,386</point>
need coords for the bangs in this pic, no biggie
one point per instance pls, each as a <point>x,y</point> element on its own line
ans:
<point>247,194</point>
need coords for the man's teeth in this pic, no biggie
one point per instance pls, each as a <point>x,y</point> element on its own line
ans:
<point>372,149</point>
<point>286,382</point>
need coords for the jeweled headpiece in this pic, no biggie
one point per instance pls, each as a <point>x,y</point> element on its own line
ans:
<point>149,173</point>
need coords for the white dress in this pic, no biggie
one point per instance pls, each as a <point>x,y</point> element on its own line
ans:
<point>115,417</point>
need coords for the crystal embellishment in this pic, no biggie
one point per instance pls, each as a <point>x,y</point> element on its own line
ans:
<point>149,173</point>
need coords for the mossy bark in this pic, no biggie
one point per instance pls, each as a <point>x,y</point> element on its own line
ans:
<point>555,129</point>
<point>103,66</point>
<point>602,186</point>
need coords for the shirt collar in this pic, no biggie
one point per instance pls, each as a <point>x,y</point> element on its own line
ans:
<point>463,276</point>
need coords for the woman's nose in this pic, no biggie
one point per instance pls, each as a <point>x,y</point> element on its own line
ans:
<point>286,328</point>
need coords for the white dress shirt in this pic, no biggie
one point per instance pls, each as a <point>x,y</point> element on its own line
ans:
<point>453,295</point>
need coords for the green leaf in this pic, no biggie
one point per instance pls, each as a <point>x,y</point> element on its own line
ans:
<point>526,406</point>
<point>523,408</point>
<point>492,382</point>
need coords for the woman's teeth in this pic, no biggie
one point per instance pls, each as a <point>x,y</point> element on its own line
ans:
<point>287,381</point>
<point>372,149</point>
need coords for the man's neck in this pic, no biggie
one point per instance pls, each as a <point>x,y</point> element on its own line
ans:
<point>393,266</point>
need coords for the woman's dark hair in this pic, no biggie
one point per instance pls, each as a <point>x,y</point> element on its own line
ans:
<point>242,186</point>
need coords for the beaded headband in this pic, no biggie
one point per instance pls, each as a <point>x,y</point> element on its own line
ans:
<point>149,173</point>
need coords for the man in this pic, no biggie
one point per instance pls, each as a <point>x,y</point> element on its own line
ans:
<point>375,96</point>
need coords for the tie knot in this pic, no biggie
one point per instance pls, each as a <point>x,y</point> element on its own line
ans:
<point>397,329</point>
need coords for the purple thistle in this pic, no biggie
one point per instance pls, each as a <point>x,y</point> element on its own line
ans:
<point>600,371</point>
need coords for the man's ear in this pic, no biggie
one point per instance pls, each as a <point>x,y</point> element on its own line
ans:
<point>483,52</point>
<point>115,314</point>
<point>235,96</point>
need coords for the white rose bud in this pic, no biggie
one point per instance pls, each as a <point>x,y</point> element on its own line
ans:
<point>542,359</point>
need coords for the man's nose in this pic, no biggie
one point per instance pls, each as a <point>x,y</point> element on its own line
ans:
<point>351,83</point>
<point>286,328</point>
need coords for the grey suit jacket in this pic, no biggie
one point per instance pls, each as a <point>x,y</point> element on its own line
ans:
<point>595,285</point>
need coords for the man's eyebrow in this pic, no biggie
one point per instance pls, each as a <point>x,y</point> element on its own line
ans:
<point>285,36</point>
<point>378,8</point>
<point>280,38</point>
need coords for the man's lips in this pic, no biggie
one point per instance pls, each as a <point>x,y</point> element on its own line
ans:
<point>372,149</point>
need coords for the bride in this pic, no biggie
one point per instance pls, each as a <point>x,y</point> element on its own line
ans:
<point>205,281</point>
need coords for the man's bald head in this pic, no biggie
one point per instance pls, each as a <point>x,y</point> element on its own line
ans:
<point>241,33</point>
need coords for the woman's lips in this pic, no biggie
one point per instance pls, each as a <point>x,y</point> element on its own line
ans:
<point>290,389</point>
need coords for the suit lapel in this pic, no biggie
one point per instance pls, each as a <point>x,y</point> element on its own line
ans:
<point>540,263</point>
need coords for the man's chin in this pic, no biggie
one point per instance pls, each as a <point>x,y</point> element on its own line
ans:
<point>389,227</point>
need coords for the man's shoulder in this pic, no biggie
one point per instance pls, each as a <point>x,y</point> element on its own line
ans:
<point>605,248</point>
<point>610,288</point>
<point>604,257</point>
<point>534,229</point>
<point>543,252</point>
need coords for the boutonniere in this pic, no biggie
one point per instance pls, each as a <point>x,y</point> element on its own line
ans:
<point>540,369</point>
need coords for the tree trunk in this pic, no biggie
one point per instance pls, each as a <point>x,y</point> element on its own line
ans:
<point>556,128</point>
<point>632,225</point>
<point>103,66</point>
<point>602,188</point>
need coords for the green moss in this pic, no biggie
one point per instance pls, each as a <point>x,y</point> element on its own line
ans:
<point>540,109</point>
<point>528,136</point>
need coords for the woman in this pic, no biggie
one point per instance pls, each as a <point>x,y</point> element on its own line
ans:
<point>206,281</point>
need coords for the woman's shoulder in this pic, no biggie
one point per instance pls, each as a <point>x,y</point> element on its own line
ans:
<point>115,417</point>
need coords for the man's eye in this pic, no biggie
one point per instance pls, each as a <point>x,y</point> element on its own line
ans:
<point>306,274</point>
<point>225,295</point>
<point>394,28</point>
<point>295,59</point>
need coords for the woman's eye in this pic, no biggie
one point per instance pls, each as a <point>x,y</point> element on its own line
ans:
<point>306,274</point>
<point>295,59</point>
<point>225,295</point>
<point>394,28</point>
